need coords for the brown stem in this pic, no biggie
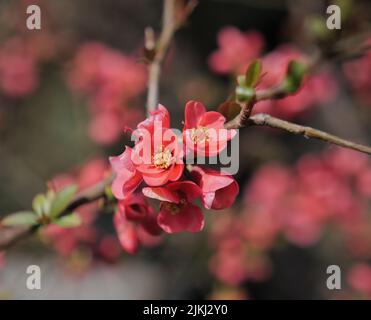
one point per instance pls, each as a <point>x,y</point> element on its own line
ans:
<point>168,28</point>
<point>173,16</point>
<point>262,119</point>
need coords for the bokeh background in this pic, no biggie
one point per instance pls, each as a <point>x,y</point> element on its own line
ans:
<point>69,91</point>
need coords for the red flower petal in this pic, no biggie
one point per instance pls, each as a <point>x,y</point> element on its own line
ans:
<point>162,194</point>
<point>123,161</point>
<point>158,179</point>
<point>127,178</point>
<point>176,172</point>
<point>222,198</point>
<point>219,190</point>
<point>126,233</point>
<point>161,114</point>
<point>193,113</point>
<point>186,188</point>
<point>150,225</point>
<point>212,119</point>
<point>189,218</point>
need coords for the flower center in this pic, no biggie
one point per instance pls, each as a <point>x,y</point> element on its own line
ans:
<point>174,208</point>
<point>162,159</point>
<point>199,134</point>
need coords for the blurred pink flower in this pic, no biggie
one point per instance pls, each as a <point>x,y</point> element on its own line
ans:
<point>359,74</point>
<point>105,127</point>
<point>18,69</point>
<point>111,80</point>
<point>359,278</point>
<point>97,68</point>
<point>236,50</point>
<point>109,248</point>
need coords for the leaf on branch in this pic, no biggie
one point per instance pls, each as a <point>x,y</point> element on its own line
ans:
<point>70,221</point>
<point>61,200</point>
<point>253,73</point>
<point>294,76</point>
<point>38,204</point>
<point>21,218</point>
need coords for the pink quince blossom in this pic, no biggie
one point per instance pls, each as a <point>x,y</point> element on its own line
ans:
<point>219,190</point>
<point>158,156</point>
<point>133,220</point>
<point>177,212</point>
<point>160,116</point>
<point>236,50</point>
<point>203,131</point>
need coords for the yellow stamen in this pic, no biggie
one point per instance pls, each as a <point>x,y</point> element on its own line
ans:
<point>199,134</point>
<point>162,159</point>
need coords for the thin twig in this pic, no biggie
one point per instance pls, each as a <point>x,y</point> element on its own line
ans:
<point>154,70</point>
<point>262,119</point>
<point>173,17</point>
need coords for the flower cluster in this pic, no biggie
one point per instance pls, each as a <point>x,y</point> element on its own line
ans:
<point>157,164</point>
<point>237,50</point>
<point>299,203</point>
<point>111,81</point>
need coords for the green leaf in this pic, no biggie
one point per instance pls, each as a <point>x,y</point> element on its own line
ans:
<point>253,73</point>
<point>38,204</point>
<point>61,200</point>
<point>70,221</point>
<point>294,76</point>
<point>49,198</point>
<point>316,27</point>
<point>21,218</point>
<point>241,80</point>
<point>244,94</point>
